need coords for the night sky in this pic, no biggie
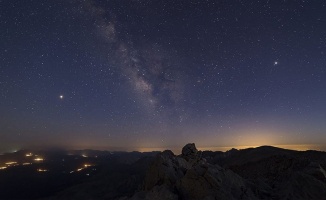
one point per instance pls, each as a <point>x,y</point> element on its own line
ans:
<point>151,74</point>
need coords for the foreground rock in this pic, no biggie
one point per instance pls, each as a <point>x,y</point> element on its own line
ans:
<point>189,176</point>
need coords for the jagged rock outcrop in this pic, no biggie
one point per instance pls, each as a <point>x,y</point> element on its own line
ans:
<point>166,170</point>
<point>190,153</point>
<point>190,177</point>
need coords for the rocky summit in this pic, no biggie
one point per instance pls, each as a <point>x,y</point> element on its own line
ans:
<point>189,176</point>
<point>268,173</point>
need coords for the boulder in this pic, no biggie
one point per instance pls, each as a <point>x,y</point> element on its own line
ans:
<point>191,154</point>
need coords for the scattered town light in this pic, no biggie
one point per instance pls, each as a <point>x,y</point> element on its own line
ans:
<point>11,163</point>
<point>27,163</point>
<point>38,159</point>
<point>85,166</point>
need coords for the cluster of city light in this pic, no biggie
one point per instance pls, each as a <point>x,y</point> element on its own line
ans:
<point>42,170</point>
<point>9,164</point>
<point>12,163</point>
<point>29,155</point>
<point>27,163</point>
<point>38,159</point>
<point>82,168</point>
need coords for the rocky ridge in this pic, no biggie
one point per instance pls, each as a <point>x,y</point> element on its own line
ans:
<point>189,176</point>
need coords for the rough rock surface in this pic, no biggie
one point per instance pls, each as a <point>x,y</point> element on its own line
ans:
<point>190,177</point>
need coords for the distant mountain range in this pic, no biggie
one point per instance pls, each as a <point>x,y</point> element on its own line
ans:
<point>255,173</point>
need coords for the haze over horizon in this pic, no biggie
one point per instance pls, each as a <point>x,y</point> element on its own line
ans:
<point>135,74</point>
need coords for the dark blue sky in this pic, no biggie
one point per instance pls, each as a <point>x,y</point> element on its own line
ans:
<point>138,74</point>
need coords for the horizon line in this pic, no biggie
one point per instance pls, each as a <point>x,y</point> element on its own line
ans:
<point>297,147</point>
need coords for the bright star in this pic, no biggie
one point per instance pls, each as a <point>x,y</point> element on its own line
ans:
<point>276,63</point>
<point>61,96</point>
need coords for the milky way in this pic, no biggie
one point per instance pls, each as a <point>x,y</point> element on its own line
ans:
<point>150,69</point>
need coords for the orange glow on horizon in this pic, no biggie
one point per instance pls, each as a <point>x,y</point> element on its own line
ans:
<point>297,147</point>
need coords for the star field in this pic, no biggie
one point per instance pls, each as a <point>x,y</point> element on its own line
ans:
<point>136,74</point>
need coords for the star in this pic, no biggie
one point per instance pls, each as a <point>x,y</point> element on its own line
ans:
<point>149,78</point>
